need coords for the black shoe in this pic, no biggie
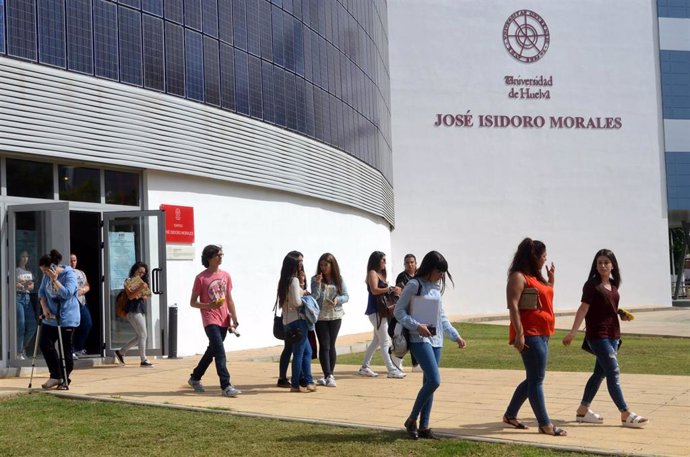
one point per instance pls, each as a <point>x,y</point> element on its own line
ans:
<point>120,357</point>
<point>146,364</point>
<point>411,428</point>
<point>426,434</point>
<point>283,382</point>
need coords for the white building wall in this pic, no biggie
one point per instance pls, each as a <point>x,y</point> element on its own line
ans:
<point>256,228</point>
<point>473,193</point>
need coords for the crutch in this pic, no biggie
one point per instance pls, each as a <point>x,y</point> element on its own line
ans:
<point>61,350</point>
<point>33,361</point>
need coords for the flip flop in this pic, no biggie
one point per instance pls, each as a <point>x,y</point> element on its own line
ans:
<point>635,421</point>
<point>590,417</point>
<point>515,423</point>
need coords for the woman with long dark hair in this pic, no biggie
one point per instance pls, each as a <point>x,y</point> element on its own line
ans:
<point>378,285</point>
<point>599,310</point>
<point>290,300</point>
<point>137,289</point>
<point>330,292</point>
<point>284,362</point>
<point>530,330</point>
<point>426,338</point>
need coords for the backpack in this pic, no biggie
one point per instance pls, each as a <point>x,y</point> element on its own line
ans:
<point>120,304</point>
<point>400,336</point>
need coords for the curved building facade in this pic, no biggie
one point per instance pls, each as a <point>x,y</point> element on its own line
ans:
<point>271,119</point>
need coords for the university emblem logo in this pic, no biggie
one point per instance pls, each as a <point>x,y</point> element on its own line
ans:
<point>526,36</point>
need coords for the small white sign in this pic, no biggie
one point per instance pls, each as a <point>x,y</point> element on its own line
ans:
<point>179,252</point>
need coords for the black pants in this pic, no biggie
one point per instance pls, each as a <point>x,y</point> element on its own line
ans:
<point>327,333</point>
<point>49,335</point>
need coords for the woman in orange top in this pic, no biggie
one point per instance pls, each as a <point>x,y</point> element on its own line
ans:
<point>530,330</point>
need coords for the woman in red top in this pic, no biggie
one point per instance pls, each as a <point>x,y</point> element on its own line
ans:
<point>599,309</point>
<point>530,330</point>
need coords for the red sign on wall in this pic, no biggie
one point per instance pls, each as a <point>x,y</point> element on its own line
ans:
<point>179,223</point>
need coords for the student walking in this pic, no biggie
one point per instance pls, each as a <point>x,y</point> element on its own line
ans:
<point>377,285</point>
<point>212,294</point>
<point>410,264</point>
<point>85,324</point>
<point>530,330</point>
<point>426,338</point>
<point>137,289</point>
<point>599,310</point>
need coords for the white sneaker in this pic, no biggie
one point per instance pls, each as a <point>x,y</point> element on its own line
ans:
<point>366,371</point>
<point>50,383</point>
<point>330,381</point>
<point>231,391</point>
<point>21,356</point>
<point>397,374</point>
<point>417,369</point>
<point>321,382</point>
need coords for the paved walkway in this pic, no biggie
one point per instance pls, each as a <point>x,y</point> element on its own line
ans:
<point>469,403</point>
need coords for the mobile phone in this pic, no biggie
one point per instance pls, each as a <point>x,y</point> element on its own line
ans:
<point>432,329</point>
<point>53,267</point>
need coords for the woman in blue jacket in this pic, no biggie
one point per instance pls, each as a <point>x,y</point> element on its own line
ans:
<point>58,298</point>
<point>426,338</point>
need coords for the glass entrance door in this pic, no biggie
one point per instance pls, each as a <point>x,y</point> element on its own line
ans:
<point>33,230</point>
<point>130,237</point>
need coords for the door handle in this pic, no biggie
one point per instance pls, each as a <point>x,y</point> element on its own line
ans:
<point>156,281</point>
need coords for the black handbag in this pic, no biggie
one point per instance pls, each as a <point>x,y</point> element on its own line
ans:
<point>278,327</point>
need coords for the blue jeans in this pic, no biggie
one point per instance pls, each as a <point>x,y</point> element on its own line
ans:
<point>301,354</point>
<point>429,358</point>
<point>607,367</point>
<point>534,357</point>
<point>215,350</point>
<point>26,321</point>
<point>84,328</point>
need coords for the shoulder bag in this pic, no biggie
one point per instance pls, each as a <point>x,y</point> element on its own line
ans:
<point>278,327</point>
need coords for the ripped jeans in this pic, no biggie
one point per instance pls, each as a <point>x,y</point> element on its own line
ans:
<point>606,351</point>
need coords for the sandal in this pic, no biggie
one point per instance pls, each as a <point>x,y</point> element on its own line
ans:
<point>514,422</point>
<point>556,431</point>
<point>635,421</point>
<point>590,417</point>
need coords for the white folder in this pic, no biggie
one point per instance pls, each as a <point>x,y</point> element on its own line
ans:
<point>425,310</point>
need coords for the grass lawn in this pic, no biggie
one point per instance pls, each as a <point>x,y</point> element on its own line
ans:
<point>487,348</point>
<point>43,424</point>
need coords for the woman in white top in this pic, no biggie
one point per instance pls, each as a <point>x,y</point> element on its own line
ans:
<point>26,317</point>
<point>290,298</point>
